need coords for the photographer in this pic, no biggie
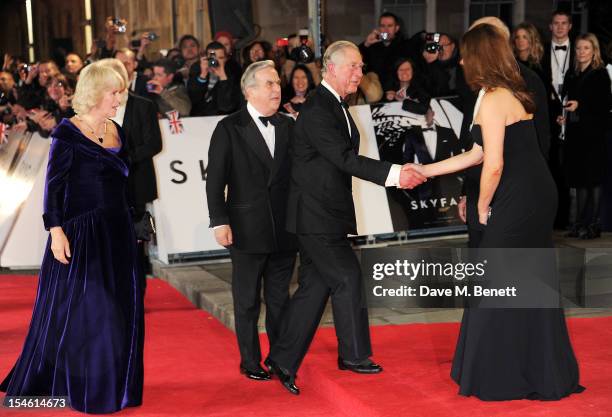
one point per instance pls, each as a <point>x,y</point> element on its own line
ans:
<point>448,60</point>
<point>426,59</point>
<point>167,94</point>
<point>299,52</point>
<point>383,46</point>
<point>213,90</point>
<point>35,84</point>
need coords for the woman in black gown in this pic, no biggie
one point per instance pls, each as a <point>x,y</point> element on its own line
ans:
<point>86,336</point>
<point>505,354</point>
<point>587,87</point>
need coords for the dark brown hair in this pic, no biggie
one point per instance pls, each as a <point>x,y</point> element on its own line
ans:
<point>488,62</point>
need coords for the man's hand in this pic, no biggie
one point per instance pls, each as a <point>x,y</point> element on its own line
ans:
<point>220,70</point>
<point>156,87</point>
<point>373,37</point>
<point>571,105</point>
<point>410,176</point>
<point>8,61</point>
<point>462,208</point>
<point>32,74</point>
<point>223,235</point>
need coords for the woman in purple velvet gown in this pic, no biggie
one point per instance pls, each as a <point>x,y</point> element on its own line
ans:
<point>86,336</point>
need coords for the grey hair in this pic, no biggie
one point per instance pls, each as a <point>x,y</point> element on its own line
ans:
<point>332,52</point>
<point>248,78</point>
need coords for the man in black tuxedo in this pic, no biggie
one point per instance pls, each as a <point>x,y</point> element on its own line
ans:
<point>558,60</point>
<point>321,212</point>
<point>249,154</point>
<point>138,118</point>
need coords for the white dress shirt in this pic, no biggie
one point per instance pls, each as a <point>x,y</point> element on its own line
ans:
<point>394,173</point>
<point>267,132</point>
<point>559,63</point>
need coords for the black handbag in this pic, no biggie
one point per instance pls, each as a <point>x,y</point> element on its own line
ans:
<point>144,227</point>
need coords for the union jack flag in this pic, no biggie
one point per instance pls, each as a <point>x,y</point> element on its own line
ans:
<point>176,126</point>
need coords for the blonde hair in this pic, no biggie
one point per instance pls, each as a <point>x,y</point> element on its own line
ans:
<point>332,52</point>
<point>597,61</point>
<point>496,22</point>
<point>248,78</point>
<point>117,65</point>
<point>94,80</point>
<point>536,49</point>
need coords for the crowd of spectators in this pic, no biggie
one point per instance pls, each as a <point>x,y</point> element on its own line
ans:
<point>197,80</point>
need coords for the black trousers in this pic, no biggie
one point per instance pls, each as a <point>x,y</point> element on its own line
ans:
<point>248,272</point>
<point>328,266</point>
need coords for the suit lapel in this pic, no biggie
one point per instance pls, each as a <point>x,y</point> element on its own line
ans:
<point>339,113</point>
<point>253,138</point>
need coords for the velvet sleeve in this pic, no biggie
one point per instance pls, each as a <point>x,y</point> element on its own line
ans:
<point>58,169</point>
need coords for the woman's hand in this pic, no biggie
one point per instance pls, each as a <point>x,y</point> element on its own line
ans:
<point>571,105</point>
<point>560,120</point>
<point>60,245</point>
<point>483,215</point>
<point>462,208</point>
<point>289,108</point>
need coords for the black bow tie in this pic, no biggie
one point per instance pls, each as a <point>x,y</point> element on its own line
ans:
<point>562,47</point>
<point>266,119</point>
<point>344,104</point>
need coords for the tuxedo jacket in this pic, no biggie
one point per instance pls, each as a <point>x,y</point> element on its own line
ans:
<point>324,160</point>
<point>257,183</point>
<point>141,127</point>
<point>554,101</point>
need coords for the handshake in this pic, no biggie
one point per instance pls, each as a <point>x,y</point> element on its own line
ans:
<point>412,175</point>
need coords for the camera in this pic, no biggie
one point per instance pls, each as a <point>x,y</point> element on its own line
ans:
<point>303,53</point>
<point>383,36</point>
<point>213,62</point>
<point>152,36</point>
<point>119,24</point>
<point>25,68</point>
<point>432,43</point>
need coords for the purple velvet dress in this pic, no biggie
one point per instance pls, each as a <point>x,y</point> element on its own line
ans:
<point>86,336</point>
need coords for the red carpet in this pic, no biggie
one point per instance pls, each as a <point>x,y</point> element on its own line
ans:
<point>191,368</point>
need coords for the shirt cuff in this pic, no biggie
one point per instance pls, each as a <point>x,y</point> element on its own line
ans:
<point>394,176</point>
<point>220,225</point>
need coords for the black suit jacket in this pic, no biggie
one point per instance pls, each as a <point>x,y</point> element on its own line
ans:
<point>325,158</point>
<point>141,127</point>
<point>257,184</point>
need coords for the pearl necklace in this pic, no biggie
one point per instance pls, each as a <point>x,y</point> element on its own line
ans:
<point>93,132</point>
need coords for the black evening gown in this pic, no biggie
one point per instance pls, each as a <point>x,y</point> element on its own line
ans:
<point>503,353</point>
<point>86,336</point>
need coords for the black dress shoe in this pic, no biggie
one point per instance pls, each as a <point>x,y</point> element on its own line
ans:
<point>256,373</point>
<point>284,376</point>
<point>364,367</point>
